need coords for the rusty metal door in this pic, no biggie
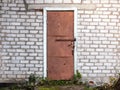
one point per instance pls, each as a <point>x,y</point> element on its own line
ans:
<point>60,45</point>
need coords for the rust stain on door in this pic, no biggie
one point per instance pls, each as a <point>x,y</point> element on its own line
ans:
<point>60,37</point>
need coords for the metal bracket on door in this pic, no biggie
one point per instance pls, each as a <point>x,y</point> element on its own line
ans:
<point>66,39</point>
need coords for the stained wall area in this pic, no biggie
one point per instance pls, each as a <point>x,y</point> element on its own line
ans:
<point>21,38</point>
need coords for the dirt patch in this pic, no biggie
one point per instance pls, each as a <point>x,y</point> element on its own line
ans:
<point>74,87</point>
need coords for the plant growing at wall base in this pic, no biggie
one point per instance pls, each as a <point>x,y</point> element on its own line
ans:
<point>77,78</point>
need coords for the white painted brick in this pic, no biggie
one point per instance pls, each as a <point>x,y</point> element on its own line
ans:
<point>104,31</point>
<point>93,61</point>
<point>34,62</point>
<point>88,20</point>
<point>18,72</point>
<point>34,24</point>
<point>113,16</point>
<point>20,58</point>
<point>98,64</point>
<point>24,16</point>
<point>10,27</point>
<point>30,27</point>
<point>34,69</point>
<point>20,65</point>
<point>97,71</point>
<point>94,23</point>
<point>30,58</point>
<point>96,42</point>
<point>88,12</point>
<point>85,60</point>
<point>86,1</point>
<point>8,72</point>
<point>101,67</point>
<point>24,31</point>
<point>11,76</point>
<point>14,69</point>
<point>115,42</point>
<point>21,43</point>
<point>85,68</point>
<point>39,1</point>
<point>24,61</point>
<point>114,20</point>
<point>85,16</point>
<point>33,39</point>
<point>14,16</point>
<point>30,43</point>
<point>67,1</point>
<point>107,5</point>
<point>33,54</point>
<point>100,57</point>
<point>92,75</point>
<point>111,46</point>
<point>23,39</point>
<point>113,1</point>
<point>109,35</point>
<point>103,38</point>
<point>95,1</point>
<point>89,64</point>
<point>23,54</point>
<point>16,8</point>
<point>94,68</point>
<point>94,46</point>
<point>76,1</point>
<point>29,65</point>
<point>106,42</point>
<point>24,69</point>
<point>91,27</point>
<point>106,20</point>
<point>104,1</point>
<point>58,1</point>
<point>48,1</point>
<point>103,24</point>
<point>106,71</point>
<point>88,71</point>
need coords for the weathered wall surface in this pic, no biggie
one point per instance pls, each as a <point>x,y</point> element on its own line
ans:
<point>21,41</point>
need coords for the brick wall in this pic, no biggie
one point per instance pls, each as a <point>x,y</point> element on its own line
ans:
<point>21,39</point>
<point>98,39</point>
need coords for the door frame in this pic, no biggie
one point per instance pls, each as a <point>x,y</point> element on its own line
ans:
<point>45,36</point>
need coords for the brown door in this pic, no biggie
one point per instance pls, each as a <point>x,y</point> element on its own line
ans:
<point>60,45</point>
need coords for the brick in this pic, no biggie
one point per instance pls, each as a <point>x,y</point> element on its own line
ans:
<point>24,16</point>
<point>34,69</point>
<point>39,1</point>
<point>85,16</point>
<point>48,1</point>
<point>24,69</point>
<point>85,68</point>
<point>98,64</point>
<point>29,65</point>
<point>8,72</point>
<point>58,1</point>
<point>104,1</point>
<point>112,16</point>
<point>97,71</point>
<point>16,8</point>
<point>76,1</point>
<point>105,71</point>
<point>95,1</point>
<point>107,5</point>
<point>34,24</point>
<point>14,69</point>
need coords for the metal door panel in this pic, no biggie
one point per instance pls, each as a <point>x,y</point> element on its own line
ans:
<point>60,68</point>
<point>60,38</point>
